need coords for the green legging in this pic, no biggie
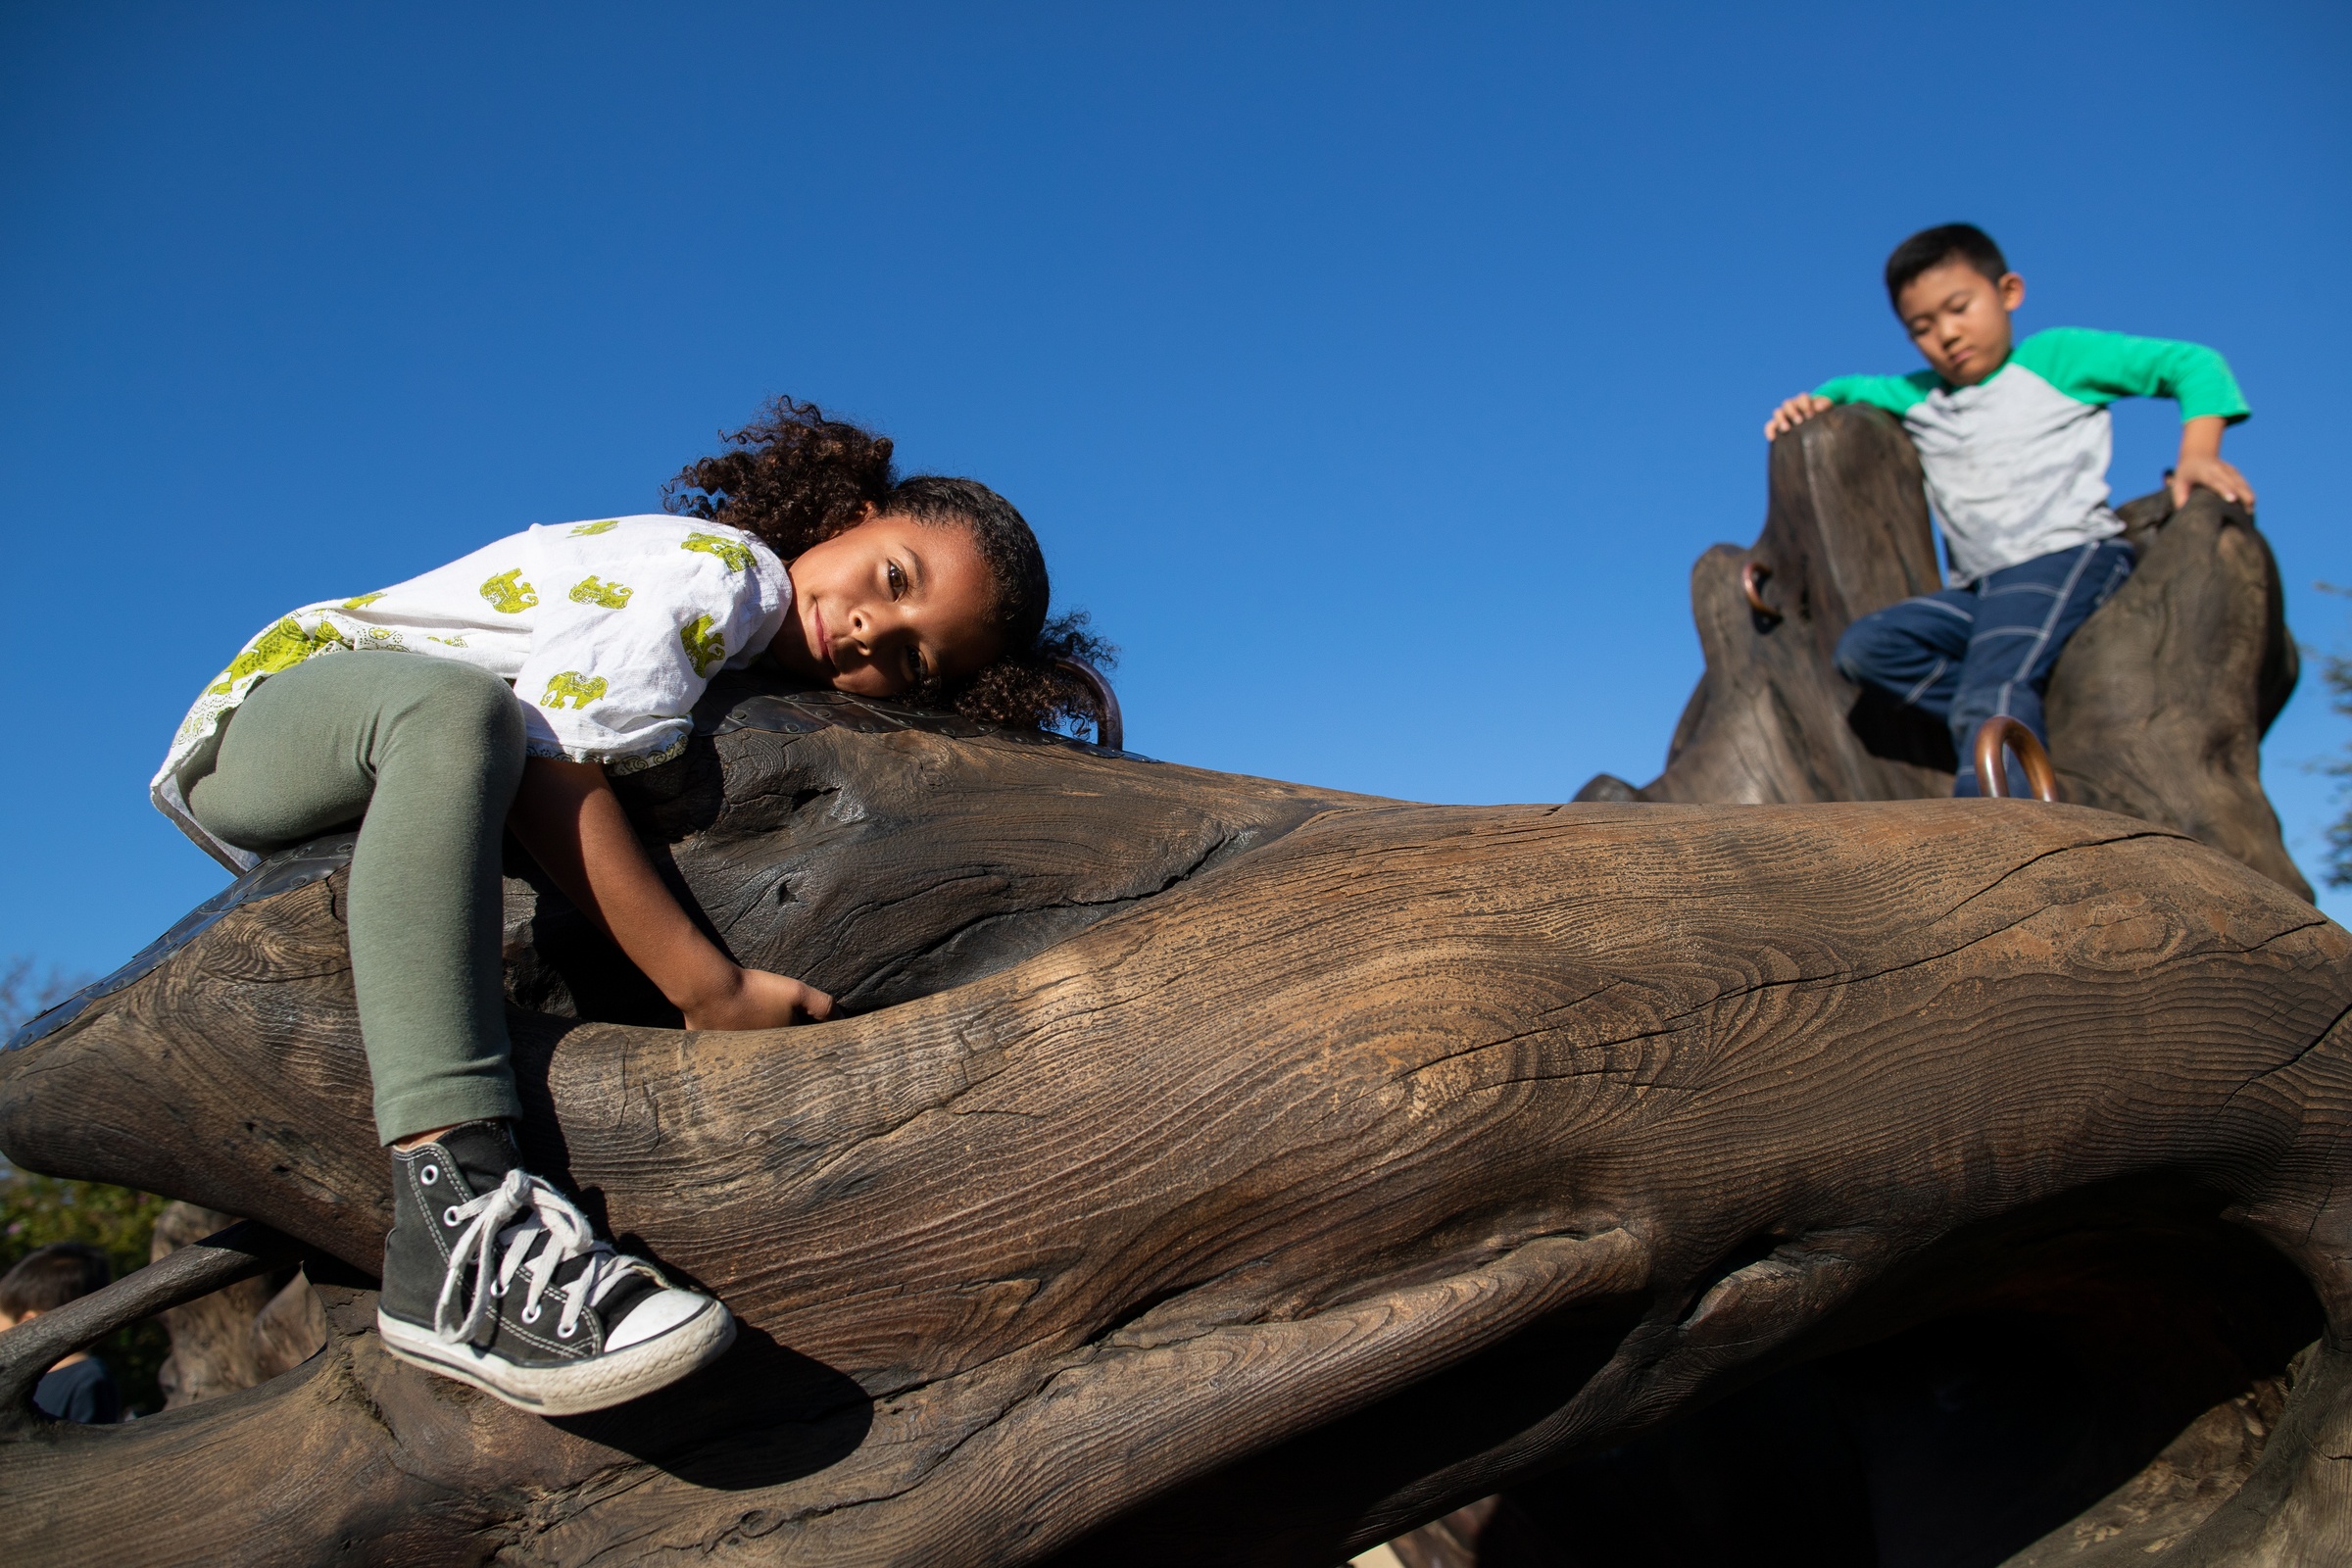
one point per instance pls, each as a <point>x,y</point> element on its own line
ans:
<point>424,753</point>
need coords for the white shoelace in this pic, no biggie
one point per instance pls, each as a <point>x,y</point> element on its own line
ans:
<point>516,1215</point>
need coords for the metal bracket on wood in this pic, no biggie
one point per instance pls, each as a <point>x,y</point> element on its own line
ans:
<point>1753,578</point>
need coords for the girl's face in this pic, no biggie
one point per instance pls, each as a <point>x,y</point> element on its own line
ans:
<point>887,606</point>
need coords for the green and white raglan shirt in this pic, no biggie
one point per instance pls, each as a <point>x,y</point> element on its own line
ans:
<point>608,632</point>
<point>2017,464</point>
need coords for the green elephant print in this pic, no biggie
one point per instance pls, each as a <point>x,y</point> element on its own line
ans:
<point>282,647</point>
<point>734,551</point>
<point>704,645</point>
<point>572,687</point>
<point>610,595</point>
<point>508,595</point>
<point>364,600</point>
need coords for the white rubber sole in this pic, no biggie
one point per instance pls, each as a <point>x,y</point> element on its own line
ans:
<point>599,1383</point>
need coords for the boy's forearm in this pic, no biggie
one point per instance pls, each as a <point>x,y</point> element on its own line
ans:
<point>2201,437</point>
<point>2201,464</point>
<point>566,815</point>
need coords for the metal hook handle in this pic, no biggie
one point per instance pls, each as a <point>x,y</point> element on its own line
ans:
<point>1110,731</point>
<point>1751,583</point>
<point>2001,732</point>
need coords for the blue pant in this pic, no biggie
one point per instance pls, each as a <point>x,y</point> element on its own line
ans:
<point>1967,654</point>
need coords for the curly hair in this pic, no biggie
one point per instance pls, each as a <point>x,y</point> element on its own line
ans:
<point>794,478</point>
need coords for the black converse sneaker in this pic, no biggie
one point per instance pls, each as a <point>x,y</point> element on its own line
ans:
<point>494,1278</point>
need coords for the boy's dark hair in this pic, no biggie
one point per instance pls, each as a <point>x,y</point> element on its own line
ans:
<point>48,1277</point>
<point>794,478</point>
<point>1933,247</point>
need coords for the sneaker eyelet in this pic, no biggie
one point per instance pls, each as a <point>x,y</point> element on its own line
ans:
<point>430,1174</point>
<point>563,1332</point>
<point>451,1217</point>
<point>530,1313</point>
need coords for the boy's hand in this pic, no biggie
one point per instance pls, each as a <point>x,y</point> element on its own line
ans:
<point>758,999</point>
<point>2200,463</point>
<point>1793,413</point>
<point>2214,474</point>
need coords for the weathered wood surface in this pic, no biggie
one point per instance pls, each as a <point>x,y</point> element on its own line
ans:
<point>2157,707</point>
<point>1358,1159</point>
<point>825,839</point>
<point>239,1337</point>
<point>891,864</point>
<point>877,866</point>
<point>2159,704</point>
<point>2156,710</point>
<point>1772,721</point>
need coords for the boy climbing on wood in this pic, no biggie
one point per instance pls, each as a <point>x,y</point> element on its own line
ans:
<point>2015,440</point>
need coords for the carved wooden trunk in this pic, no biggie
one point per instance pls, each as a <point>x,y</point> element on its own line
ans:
<point>1218,1170</point>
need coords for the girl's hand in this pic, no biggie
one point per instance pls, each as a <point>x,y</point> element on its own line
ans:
<point>755,999</point>
<point>1793,413</point>
<point>565,815</point>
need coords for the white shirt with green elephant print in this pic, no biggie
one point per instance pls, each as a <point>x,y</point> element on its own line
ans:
<point>608,630</point>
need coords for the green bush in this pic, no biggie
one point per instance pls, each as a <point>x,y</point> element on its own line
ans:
<point>35,1210</point>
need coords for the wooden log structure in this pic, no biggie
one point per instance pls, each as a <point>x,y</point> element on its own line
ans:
<point>2157,707</point>
<point>234,1338</point>
<point>1210,1169</point>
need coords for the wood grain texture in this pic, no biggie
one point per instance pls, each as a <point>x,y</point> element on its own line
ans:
<point>1772,721</point>
<point>880,866</point>
<point>2158,707</point>
<point>237,1338</point>
<point>2156,710</point>
<point>1390,1157</point>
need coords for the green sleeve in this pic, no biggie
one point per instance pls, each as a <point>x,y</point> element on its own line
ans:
<point>1894,393</point>
<point>2101,366</point>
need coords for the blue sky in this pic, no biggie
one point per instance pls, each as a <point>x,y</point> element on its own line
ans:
<point>1373,373</point>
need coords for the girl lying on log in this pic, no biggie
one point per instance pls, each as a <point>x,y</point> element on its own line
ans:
<point>498,691</point>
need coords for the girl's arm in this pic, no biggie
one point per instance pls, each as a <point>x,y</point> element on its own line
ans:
<point>566,814</point>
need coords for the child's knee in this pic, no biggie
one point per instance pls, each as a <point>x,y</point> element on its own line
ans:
<point>468,706</point>
<point>1861,655</point>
